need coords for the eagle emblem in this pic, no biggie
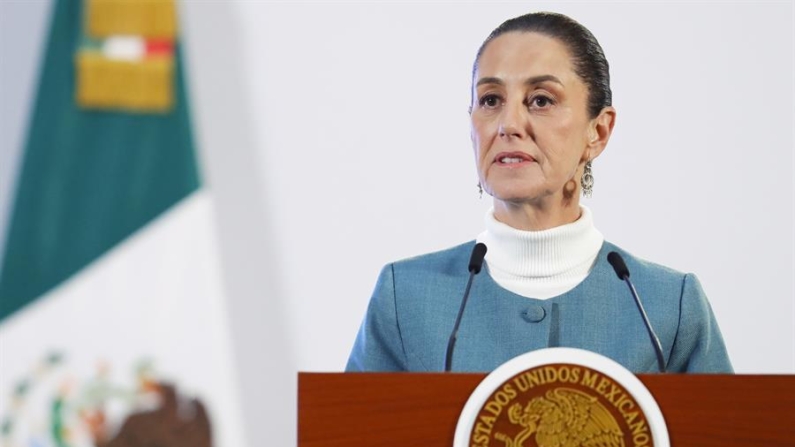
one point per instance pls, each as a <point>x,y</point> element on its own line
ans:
<point>563,417</point>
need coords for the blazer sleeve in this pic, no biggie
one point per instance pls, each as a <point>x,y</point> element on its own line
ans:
<point>379,346</point>
<point>699,346</point>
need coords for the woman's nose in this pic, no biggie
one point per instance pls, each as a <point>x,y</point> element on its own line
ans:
<point>512,121</point>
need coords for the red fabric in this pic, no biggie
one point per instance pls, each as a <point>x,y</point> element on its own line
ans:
<point>159,47</point>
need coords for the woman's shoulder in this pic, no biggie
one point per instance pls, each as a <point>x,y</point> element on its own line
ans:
<point>450,261</point>
<point>640,268</point>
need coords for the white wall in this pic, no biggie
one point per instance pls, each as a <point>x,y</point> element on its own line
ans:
<point>335,138</point>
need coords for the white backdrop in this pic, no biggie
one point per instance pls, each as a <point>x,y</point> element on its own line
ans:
<point>335,139</point>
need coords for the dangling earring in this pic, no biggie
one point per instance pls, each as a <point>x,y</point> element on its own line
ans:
<point>586,181</point>
<point>480,191</point>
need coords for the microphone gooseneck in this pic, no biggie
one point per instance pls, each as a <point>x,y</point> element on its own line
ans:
<point>475,265</point>
<point>622,272</point>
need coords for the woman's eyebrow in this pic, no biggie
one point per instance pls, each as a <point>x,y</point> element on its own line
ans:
<point>530,81</point>
<point>543,78</point>
<point>490,80</point>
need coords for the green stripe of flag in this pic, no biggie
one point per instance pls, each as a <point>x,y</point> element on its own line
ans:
<point>89,178</point>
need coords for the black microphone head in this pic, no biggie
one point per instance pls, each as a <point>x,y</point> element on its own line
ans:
<point>476,260</point>
<point>618,264</point>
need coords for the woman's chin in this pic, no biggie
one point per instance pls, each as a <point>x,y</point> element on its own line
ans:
<point>517,195</point>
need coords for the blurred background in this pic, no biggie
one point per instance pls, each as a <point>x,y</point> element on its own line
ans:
<point>196,198</point>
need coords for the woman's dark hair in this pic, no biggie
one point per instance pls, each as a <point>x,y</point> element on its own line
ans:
<point>587,56</point>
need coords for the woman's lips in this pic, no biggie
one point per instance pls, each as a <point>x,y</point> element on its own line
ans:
<point>513,159</point>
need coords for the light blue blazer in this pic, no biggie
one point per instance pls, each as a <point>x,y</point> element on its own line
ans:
<point>415,303</point>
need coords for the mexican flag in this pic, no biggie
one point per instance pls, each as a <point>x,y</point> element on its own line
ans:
<point>112,319</point>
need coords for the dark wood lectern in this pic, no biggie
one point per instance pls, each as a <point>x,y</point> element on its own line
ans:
<point>402,410</point>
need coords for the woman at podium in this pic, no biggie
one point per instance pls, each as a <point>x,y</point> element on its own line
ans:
<point>541,115</point>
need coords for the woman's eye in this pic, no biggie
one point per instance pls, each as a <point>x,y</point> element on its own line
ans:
<point>490,101</point>
<point>540,102</point>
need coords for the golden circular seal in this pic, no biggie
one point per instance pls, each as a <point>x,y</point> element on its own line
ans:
<point>561,397</point>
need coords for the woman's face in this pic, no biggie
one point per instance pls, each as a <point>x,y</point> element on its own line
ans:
<point>530,126</point>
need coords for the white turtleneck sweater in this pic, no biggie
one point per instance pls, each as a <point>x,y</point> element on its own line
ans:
<point>541,264</point>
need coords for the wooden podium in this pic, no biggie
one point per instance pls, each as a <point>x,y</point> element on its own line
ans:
<point>403,409</point>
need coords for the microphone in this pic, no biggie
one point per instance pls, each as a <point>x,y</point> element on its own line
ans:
<point>622,272</point>
<point>475,264</point>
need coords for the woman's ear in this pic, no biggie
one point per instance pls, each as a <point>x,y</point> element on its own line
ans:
<point>600,130</point>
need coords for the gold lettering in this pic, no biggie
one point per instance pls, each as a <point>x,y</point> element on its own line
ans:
<point>502,398</point>
<point>589,379</point>
<point>611,396</point>
<point>522,383</point>
<point>481,435</point>
<point>629,417</point>
<point>509,390</point>
<point>488,421</point>
<point>602,387</point>
<point>638,427</point>
<point>564,373</point>
<point>550,375</point>
<point>575,375</point>
<point>493,408</point>
<point>640,439</point>
<point>535,378</point>
<point>624,404</point>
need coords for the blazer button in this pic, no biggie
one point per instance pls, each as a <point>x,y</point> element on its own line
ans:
<point>534,314</point>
